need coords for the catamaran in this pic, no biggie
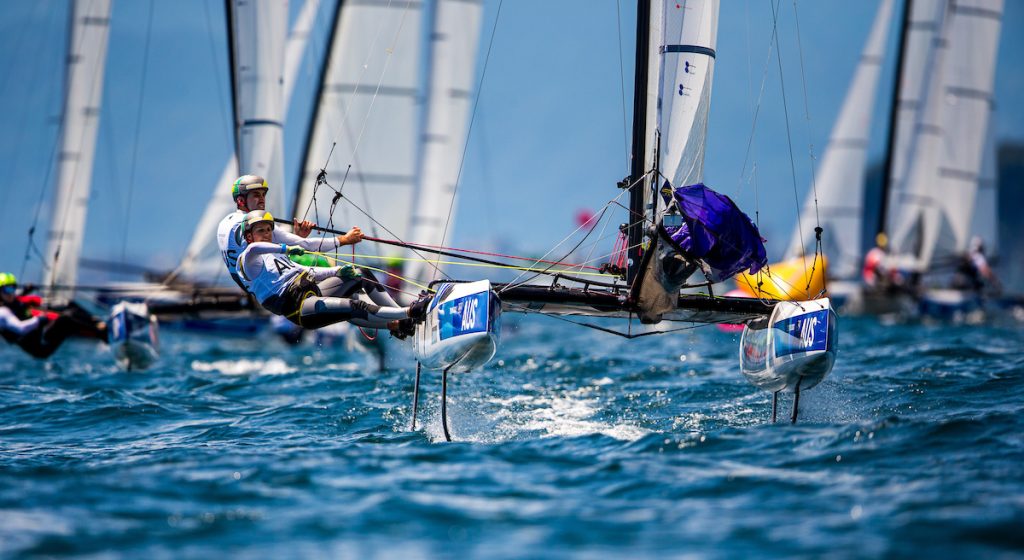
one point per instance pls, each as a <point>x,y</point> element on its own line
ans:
<point>677,229</point>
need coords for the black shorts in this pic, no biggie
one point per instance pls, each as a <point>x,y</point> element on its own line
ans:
<point>289,303</point>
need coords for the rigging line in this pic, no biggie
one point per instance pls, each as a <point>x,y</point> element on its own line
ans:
<point>337,257</point>
<point>138,127</point>
<point>757,107</point>
<point>789,139</point>
<point>810,151</point>
<point>365,66</point>
<point>387,62</point>
<point>622,81</point>
<point>217,75</point>
<point>629,335</point>
<point>469,130</point>
<point>23,130</point>
<point>92,102</point>
<point>578,228</point>
<point>485,253</point>
<point>30,242</point>
<point>548,269</point>
<point>400,242</point>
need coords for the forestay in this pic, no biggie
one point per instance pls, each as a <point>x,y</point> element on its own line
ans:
<point>86,60</point>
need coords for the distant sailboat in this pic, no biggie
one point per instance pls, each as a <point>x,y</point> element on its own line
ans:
<point>936,192</point>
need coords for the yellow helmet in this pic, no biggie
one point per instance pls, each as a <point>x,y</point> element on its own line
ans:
<point>7,279</point>
<point>257,217</point>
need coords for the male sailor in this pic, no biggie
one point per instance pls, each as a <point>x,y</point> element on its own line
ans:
<point>313,296</point>
<point>249,193</point>
<point>39,333</point>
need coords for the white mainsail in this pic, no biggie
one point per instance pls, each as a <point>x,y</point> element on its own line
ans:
<point>202,261</point>
<point>86,59</point>
<point>839,208</point>
<point>366,122</point>
<point>258,33</point>
<point>937,204</point>
<point>452,61</point>
<point>688,32</point>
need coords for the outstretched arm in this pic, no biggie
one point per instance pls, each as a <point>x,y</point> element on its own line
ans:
<point>9,322</point>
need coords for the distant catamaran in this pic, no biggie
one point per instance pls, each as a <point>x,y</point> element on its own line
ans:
<point>939,178</point>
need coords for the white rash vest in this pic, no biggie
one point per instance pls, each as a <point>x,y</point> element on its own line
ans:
<point>232,243</point>
<point>265,270</point>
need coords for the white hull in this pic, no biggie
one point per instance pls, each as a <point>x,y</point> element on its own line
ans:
<point>133,336</point>
<point>796,347</point>
<point>462,328</point>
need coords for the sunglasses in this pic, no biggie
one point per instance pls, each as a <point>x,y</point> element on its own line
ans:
<point>8,289</point>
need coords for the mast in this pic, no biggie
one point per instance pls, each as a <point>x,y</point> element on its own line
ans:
<point>634,231</point>
<point>894,110</point>
<point>229,18</point>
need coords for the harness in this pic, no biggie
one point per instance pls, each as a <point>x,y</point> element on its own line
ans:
<point>289,303</point>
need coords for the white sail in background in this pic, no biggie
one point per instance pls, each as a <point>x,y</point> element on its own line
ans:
<point>938,202</point>
<point>202,260</point>
<point>259,31</point>
<point>366,122</point>
<point>985,221</point>
<point>922,41</point>
<point>86,59</point>
<point>839,208</point>
<point>688,34</point>
<point>452,62</point>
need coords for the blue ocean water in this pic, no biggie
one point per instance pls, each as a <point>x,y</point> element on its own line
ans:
<point>572,443</point>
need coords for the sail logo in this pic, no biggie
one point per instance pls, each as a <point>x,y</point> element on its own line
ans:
<point>804,333</point>
<point>467,314</point>
<point>807,332</point>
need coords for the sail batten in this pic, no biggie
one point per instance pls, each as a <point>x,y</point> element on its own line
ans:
<point>949,148</point>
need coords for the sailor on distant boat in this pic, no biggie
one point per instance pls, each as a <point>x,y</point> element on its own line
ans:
<point>38,332</point>
<point>973,271</point>
<point>249,193</point>
<point>312,296</point>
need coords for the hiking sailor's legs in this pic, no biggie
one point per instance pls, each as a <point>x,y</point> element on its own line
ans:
<point>336,287</point>
<point>317,311</point>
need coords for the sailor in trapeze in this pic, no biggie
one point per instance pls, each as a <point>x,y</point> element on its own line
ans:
<point>313,296</point>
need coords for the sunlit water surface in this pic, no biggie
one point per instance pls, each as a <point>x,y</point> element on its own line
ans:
<point>572,443</point>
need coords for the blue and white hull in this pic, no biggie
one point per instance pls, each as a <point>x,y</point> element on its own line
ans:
<point>795,347</point>
<point>461,329</point>
<point>133,335</point>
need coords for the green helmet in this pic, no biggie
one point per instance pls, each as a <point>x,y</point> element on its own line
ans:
<point>7,279</point>
<point>257,217</point>
<point>246,183</point>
